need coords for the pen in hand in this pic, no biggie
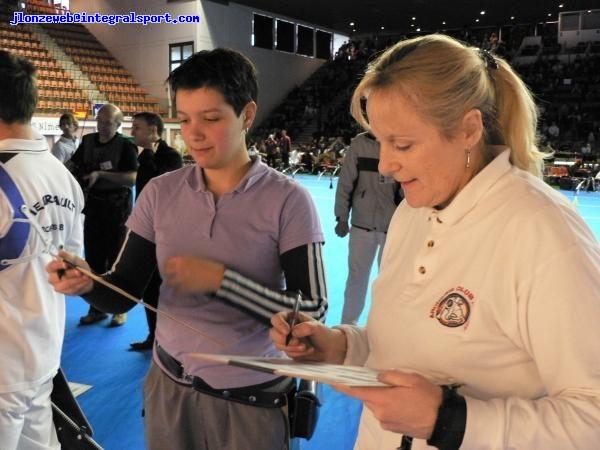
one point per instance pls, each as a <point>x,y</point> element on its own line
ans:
<point>294,317</point>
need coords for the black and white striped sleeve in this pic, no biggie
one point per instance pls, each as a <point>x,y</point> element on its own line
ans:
<point>303,270</point>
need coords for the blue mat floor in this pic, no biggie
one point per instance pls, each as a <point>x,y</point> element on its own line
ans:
<point>99,356</point>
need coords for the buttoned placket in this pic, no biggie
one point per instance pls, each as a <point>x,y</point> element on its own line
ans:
<point>210,214</point>
<point>426,262</point>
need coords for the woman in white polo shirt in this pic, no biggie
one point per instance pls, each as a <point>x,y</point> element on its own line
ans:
<point>484,315</point>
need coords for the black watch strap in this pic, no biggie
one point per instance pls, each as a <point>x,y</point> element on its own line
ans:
<point>451,421</point>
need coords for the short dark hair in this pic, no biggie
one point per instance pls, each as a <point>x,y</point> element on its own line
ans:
<point>18,88</point>
<point>151,119</point>
<point>67,118</point>
<point>222,69</point>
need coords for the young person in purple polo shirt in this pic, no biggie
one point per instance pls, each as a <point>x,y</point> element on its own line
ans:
<point>234,241</point>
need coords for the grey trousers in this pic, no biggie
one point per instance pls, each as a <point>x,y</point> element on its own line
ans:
<point>363,247</point>
<point>179,418</point>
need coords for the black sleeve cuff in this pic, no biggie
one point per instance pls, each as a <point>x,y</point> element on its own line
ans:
<point>451,421</point>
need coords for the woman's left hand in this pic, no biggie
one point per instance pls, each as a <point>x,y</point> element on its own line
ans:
<point>189,274</point>
<point>409,406</point>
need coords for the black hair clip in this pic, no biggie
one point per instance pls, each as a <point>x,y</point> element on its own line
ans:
<point>489,59</point>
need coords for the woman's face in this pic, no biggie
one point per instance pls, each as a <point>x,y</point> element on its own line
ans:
<point>212,131</point>
<point>430,168</point>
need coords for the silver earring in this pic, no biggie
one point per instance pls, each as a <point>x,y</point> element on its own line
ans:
<point>468,159</point>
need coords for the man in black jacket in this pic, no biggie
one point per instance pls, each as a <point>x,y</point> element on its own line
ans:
<point>155,159</point>
<point>105,164</point>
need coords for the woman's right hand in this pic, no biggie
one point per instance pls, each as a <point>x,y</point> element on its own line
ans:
<point>311,340</point>
<point>65,278</point>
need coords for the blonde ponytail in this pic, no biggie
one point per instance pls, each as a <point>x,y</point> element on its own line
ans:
<point>517,116</point>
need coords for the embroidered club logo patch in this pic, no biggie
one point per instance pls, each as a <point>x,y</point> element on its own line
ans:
<point>453,309</point>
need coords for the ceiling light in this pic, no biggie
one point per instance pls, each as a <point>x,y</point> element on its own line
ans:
<point>414,18</point>
<point>351,24</point>
<point>383,28</point>
<point>482,13</point>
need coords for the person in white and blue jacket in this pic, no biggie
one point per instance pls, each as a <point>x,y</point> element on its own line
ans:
<point>40,209</point>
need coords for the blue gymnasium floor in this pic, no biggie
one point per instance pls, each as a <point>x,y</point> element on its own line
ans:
<point>97,355</point>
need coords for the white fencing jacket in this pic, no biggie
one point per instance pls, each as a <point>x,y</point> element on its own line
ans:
<point>40,207</point>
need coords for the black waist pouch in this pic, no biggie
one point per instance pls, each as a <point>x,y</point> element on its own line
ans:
<point>304,409</point>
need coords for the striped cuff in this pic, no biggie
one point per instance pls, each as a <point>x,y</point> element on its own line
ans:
<point>262,302</point>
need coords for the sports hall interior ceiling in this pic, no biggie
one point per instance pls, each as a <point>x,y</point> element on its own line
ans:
<point>396,16</point>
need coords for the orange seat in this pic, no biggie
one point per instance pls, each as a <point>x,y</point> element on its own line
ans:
<point>559,171</point>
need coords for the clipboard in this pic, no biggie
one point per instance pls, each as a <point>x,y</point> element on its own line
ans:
<point>354,376</point>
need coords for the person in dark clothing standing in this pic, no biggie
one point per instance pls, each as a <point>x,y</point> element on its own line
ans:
<point>271,150</point>
<point>285,147</point>
<point>105,164</point>
<point>155,159</point>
